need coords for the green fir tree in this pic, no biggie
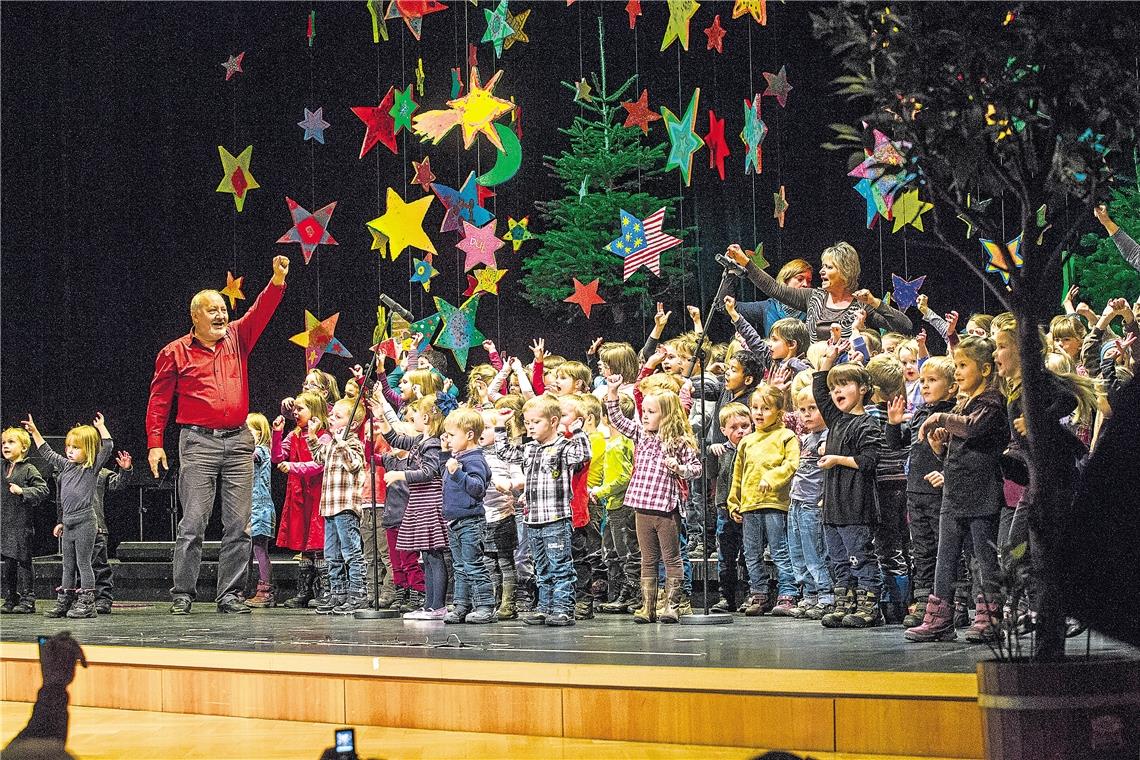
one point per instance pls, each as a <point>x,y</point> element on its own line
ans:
<point>1099,269</point>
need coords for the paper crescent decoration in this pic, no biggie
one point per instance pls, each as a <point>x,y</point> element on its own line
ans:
<point>498,27</point>
<point>908,209</point>
<point>753,134</point>
<point>314,125</point>
<point>586,296</point>
<point>906,291</point>
<point>638,113</point>
<point>518,232</point>
<point>715,34</point>
<point>998,261</point>
<point>412,12</point>
<point>680,12</point>
<point>379,26</point>
<point>461,204</point>
<point>379,124</point>
<point>232,65</point>
<point>473,112</point>
<point>236,178</point>
<point>403,224</point>
<point>402,109</point>
<point>517,34</point>
<point>633,10</point>
<point>310,230</point>
<point>422,272</point>
<point>758,9</point>
<point>317,339</point>
<point>479,244</point>
<point>424,176</point>
<point>507,160</point>
<point>642,243</point>
<point>459,332</point>
<point>487,280</point>
<point>780,206</point>
<point>683,140</point>
<point>778,86</point>
<point>718,147</point>
<point>232,290</point>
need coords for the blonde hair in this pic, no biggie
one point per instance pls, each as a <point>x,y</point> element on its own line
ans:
<point>845,258</point>
<point>620,359</point>
<point>874,343</point>
<point>804,394</point>
<point>1004,326</point>
<point>429,381</point>
<point>466,419</point>
<point>791,269</point>
<point>907,345</point>
<point>730,410</point>
<point>259,425</point>
<point>590,406</point>
<point>815,353</point>
<point>576,371</point>
<point>84,437</point>
<point>514,402</point>
<point>886,374</point>
<point>317,407</point>
<point>674,429</point>
<point>941,365</point>
<point>480,373</point>
<point>357,418</point>
<point>328,385</point>
<point>772,396</point>
<point>1066,326</point>
<point>21,436</point>
<point>427,405</point>
<point>659,381</point>
<point>800,381</point>
<point>547,405</point>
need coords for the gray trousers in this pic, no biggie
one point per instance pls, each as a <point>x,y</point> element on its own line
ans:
<point>207,461</point>
<point>78,545</point>
<point>385,570</point>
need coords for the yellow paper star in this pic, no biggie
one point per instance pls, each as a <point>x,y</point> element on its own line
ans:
<point>232,290</point>
<point>908,209</point>
<point>517,34</point>
<point>403,224</point>
<point>758,9</point>
<point>680,11</point>
<point>236,178</point>
<point>487,280</point>
<point>379,241</point>
<point>475,112</point>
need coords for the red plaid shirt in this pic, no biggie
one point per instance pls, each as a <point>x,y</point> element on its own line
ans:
<point>652,486</point>
<point>343,461</point>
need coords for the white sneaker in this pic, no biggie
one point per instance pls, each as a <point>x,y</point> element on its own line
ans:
<point>425,614</point>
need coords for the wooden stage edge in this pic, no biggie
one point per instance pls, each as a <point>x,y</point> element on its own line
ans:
<point>868,712</point>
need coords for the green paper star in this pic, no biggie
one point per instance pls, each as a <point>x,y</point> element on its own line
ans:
<point>403,109</point>
<point>683,139</point>
<point>758,258</point>
<point>459,332</point>
<point>498,27</point>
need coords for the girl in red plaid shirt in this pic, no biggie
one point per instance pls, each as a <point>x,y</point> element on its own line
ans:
<point>664,456</point>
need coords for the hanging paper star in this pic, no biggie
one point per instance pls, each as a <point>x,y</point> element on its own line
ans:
<point>498,28</point>
<point>413,12</point>
<point>517,34</point>
<point>422,272</point>
<point>758,9</point>
<point>459,332</point>
<point>310,230</point>
<point>683,140</point>
<point>471,285</point>
<point>906,291</point>
<point>425,327</point>
<point>718,147</point>
<point>586,296</point>
<point>314,125</point>
<point>402,110</point>
<point>403,224</point>
<point>379,241</point>
<point>980,205</point>
<point>420,76</point>
<point>908,209</point>
<point>317,339</point>
<point>753,134</point>
<point>232,65</point>
<point>876,201</point>
<point>757,257</point>
<point>633,9</point>
<point>518,232</point>
<point>642,243</point>
<point>483,194</point>
<point>1042,224</point>
<point>472,54</point>
<point>236,178</point>
<point>311,30</point>
<point>680,12</point>
<point>582,189</point>
<point>881,159</point>
<point>715,34</point>
<point>479,244</point>
<point>638,113</point>
<point>424,176</point>
<point>474,113</point>
<point>378,122</point>
<point>387,348</point>
<point>778,86</point>
<point>232,290</point>
<point>461,204</point>
<point>582,91</point>
<point>487,280</point>
<point>998,260</point>
<point>780,202</point>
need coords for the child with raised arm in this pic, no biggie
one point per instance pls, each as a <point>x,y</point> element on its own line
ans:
<point>465,480</point>
<point>87,448</point>
<point>622,553</point>
<point>23,488</point>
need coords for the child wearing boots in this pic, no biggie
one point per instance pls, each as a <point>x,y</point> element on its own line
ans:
<point>23,489</point>
<point>262,512</point>
<point>500,538</point>
<point>621,551</point>
<point>805,529</point>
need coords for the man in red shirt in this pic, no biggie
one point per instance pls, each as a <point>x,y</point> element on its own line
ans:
<point>208,371</point>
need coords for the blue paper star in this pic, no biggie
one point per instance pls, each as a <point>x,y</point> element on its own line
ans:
<point>906,291</point>
<point>753,134</point>
<point>683,139</point>
<point>314,125</point>
<point>422,273</point>
<point>461,204</point>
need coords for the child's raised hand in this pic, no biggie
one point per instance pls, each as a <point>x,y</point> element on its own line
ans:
<point>951,322</point>
<point>1086,311</point>
<point>452,465</point>
<point>447,384</point>
<point>279,423</point>
<point>280,268</point>
<point>860,321</point>
<point>896,410</point>
<point>730,308</point>
<point>657,357</point>
<point>313,426</point>
<point>489,347</point>
<point>417,391</point>
<point>836,335</point>
<point>123,460</point>
<point>57,531</point>
<point>98,421</point>
<point>935,479</point>
<point>30,425</point>
<point>920,339</point>
<point>694,314</point>
<point>661,318</point>
<point>538,348</point>
<point>593,349</point>
<point>781,378</point>
<point>613,382</point>
<point>923,304</point>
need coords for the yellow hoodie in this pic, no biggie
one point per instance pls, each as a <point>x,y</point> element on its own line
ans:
<point>766,461</point>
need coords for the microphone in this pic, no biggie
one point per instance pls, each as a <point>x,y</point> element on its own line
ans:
<point>729,265</point>
<point>396,308</point>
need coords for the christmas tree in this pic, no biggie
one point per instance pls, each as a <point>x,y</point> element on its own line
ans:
<point>602,172</point>
<point>1099,270</point>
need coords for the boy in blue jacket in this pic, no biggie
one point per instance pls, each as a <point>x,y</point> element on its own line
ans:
<point>464,484</point>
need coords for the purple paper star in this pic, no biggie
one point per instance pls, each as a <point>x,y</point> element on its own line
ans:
<point>314,125</point>
<point>906,291</point>
<point>778,86</point>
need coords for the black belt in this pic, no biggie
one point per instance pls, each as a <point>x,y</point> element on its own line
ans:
<point>215,432</point>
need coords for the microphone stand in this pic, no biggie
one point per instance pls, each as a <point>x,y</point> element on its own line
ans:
<point>732,272</point>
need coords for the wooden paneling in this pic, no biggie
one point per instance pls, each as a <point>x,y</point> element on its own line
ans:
<point>21,680</point>
<point>909,727</point>
<point>253,695</point>
<point>122,686</point>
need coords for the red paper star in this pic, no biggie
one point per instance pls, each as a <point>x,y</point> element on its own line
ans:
<point>586,296</point>
<point>233,65</point>
<point>715,142</point>
<point>633,8</point>
<point>380,126</point>
<point>715,33</point>
<point>639,113</point>
<point>424,175</point>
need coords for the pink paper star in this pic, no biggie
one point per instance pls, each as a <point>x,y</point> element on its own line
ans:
<point>479,244</point>
<point>233,65</point>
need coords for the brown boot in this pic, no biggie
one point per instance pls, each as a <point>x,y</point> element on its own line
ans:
<point>671,614</point>
<point>263,597</point>
<point>647,612</point>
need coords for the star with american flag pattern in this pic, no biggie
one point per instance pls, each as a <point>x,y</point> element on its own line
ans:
<point>642,242</point>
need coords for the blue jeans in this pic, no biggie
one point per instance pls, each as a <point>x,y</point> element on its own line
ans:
<point>768,526</point>
<point>553,566</point>
<point>472,581</point>
<point>805,547</point>
<point>344,553</point>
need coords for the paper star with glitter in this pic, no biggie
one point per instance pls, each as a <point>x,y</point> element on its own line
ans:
<point>378,123</point>
<point>582,91</point>
<point>718,147</point>
<point>680,13</point>
<point>310,230</point>
<point>683,140</point>
<point>479,244</point>
<point>715,34</point>
<point>753,134</point>
<point>487,280</point>
<point>780,206</point>
<point>474,113</point>
<point>1002,260</point>
<point>461,204</point>
<point>908,209</point>
<point>318,339</point>
<point>424,176</point>
<point>517,34</point>
<point>498,27</point>
<point>425,327</point>
<point>638,113</point>
<point>402,110</point>
<point>882,158</point>
<point>314,125</point>
<point>906,291</point>
<point>232,65</point>
<point>758,9</point>
<point>236,178</point>
<point>642,243</point>
<point>586,296</point>
<point>518,232</point>
<point>232,290</point>
<point>403,224</point>
<point>778,86</point>
<point>422,272</point>
<point>633,10</point>
<point>412,12</point>
<point>459,332</point>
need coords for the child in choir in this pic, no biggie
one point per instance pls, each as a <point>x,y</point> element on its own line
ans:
<point>23,489</point>
<point>87,448</point>
<point>465,481</point>
<point>735,423</point>
<point>107,481</point>
<point>407,573</point>
<point>511,430</point>
<point>912,354</point>
<point>621,551</point>
<point>378,568</point>
<point>262,511</point>
<point>758,499</point>
<point>665,455</point>
<point>570,378</point>
<point>500,538</point>
<point>585,517</point>
<point>805,526</point>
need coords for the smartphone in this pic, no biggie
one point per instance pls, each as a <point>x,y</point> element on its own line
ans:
<point>345,741</point>
<point>42,640</point>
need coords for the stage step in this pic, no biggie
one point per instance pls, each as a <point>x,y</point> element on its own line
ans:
<point>161,551</point>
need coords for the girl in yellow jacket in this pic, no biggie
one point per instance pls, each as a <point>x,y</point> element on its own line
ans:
<point>766,461</point>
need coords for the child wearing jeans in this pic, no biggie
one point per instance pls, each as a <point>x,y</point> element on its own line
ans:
<point>262,511</point>
<point>464,484</point>
<point>805,530</point>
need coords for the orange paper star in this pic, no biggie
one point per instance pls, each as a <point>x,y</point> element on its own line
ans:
<point>586,296</point>
<point>232,290</point>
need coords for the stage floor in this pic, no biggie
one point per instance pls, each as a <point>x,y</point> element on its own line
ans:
<point>778,643</point>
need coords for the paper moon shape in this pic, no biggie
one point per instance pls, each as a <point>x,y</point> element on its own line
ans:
<point>507,163</point>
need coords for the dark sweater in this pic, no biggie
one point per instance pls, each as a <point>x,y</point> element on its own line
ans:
<point>109,480</point>
<point>16,511</point>
<point>725,463</point>
<point>463,489</point>
<point>978,436</point>
<point>892,462</point>
<point>77,484</point>
<point>922,460</point>
<point>848,495</point>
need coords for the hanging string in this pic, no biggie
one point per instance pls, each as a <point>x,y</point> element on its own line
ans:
<point>882,272</point>
<point>312,169</point>
<point>379,258</point>
<point>906,263</point>
<point>234,133</point>
<point>681,194</point>
<point>404,146</point>
<point>752,94</point>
